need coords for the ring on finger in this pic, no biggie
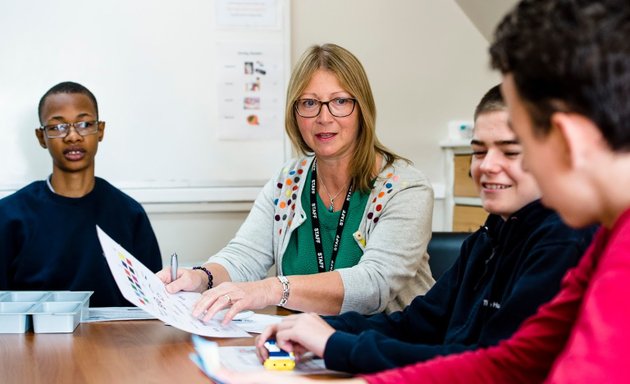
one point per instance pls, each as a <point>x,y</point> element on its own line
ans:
<point>228,298</point>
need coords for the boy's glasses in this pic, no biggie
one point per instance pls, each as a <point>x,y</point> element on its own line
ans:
<point>83,128</point>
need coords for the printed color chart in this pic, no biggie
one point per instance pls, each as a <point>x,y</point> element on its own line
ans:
<point>141,287</point>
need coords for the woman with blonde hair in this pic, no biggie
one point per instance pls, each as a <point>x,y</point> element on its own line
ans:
<point>566,82</point>
<point>347,223</point>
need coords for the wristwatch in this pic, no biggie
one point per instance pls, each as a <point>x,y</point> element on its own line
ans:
<point>285,290</point>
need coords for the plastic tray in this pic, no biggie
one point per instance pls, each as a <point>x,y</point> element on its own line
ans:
<point>47,311</point>
<point>13,318</point>
<point>82,297</point>
<point>56,317</point>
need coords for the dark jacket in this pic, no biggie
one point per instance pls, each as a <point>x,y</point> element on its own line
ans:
<point>504,272</point>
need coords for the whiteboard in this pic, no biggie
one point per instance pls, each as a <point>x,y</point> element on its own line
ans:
<point>153,67</point>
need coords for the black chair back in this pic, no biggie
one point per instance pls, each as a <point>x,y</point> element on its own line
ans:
<point>443,250</point>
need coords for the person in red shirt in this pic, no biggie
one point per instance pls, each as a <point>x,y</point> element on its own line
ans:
<point>506,269</point>
<point>566,81</point>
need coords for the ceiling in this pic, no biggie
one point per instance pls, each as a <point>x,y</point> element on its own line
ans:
<point>486,14</point>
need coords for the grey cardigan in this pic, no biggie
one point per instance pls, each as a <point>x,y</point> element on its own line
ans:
<point>393,234</point>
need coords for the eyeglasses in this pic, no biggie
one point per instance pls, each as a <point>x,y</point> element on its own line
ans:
<point>338,107</point>
<point>83,128</point>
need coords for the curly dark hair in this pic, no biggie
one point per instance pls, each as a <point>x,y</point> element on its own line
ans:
<point>570,56</point>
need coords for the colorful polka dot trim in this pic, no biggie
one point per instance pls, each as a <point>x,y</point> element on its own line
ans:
<point>288,196</point>
<point>382,196</point>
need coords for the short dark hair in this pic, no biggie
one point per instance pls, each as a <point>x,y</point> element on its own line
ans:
<point>570,56</point>
<point>66,87</point>
<point>490,102</point>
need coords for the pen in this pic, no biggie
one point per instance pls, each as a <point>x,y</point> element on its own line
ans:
<point>173,266</point>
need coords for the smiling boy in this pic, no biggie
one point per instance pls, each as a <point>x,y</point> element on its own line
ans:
<point>566,81</point>
<point>48,235</point>
<point>506,269</point>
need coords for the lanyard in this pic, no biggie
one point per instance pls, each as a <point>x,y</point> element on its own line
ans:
<point>317,239</point>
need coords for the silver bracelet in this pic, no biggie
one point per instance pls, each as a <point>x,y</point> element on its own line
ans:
<point>285,290</point>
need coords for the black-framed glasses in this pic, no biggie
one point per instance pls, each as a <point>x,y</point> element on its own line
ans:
<point>83,128</point>
<point>338,107</point>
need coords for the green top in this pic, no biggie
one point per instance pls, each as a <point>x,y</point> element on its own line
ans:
<point>305,263</point>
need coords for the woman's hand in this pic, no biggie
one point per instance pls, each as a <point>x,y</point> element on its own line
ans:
<point>237,297</point>
<point>187,280</point>
<point>298,334</point>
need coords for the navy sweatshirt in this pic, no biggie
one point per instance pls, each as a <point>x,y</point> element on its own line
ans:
<point>49,242</point>
<point>504,272</point>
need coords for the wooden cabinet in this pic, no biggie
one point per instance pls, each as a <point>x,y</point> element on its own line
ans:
<point>462,207</point>
<point>463,185</point>
<point>468,218</point>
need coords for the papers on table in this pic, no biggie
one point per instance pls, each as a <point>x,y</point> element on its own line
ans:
<point>116,314</point>
<point>244,359</point>
<point>144,289</point>
<point>257,322</point>
<point>210,357</point>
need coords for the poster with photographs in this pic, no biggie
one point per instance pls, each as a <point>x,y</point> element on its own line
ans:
<point>250,91</point>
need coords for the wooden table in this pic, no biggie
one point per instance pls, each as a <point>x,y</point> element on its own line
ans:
<point>137,351</point>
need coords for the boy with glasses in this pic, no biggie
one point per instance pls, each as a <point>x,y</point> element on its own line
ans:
<point>48,235</point>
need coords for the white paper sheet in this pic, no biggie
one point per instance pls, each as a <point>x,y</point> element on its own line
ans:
<point>257,322</point>
<point>244,359</point>
<point>250,94</point>
<point>117,314</point>
<point>141,287</point>
<point>244,14</point>
<point>210,356</point>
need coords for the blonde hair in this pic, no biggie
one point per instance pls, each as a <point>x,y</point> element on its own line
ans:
<point>353,79</point>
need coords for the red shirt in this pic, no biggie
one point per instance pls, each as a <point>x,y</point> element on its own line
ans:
<point>581,336</point>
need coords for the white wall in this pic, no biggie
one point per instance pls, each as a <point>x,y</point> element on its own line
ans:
<point>427,64</point>
<point>181,89</point>
<point>426,61</point>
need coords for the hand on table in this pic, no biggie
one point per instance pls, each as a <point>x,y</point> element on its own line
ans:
<point>298,334</point>
<point>236,297</point>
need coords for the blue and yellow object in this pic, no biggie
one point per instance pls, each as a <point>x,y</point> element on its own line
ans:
<point>279,359</point>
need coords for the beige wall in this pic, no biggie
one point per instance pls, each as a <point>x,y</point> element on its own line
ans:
<point>486,14</point>
<point>427,63</point>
